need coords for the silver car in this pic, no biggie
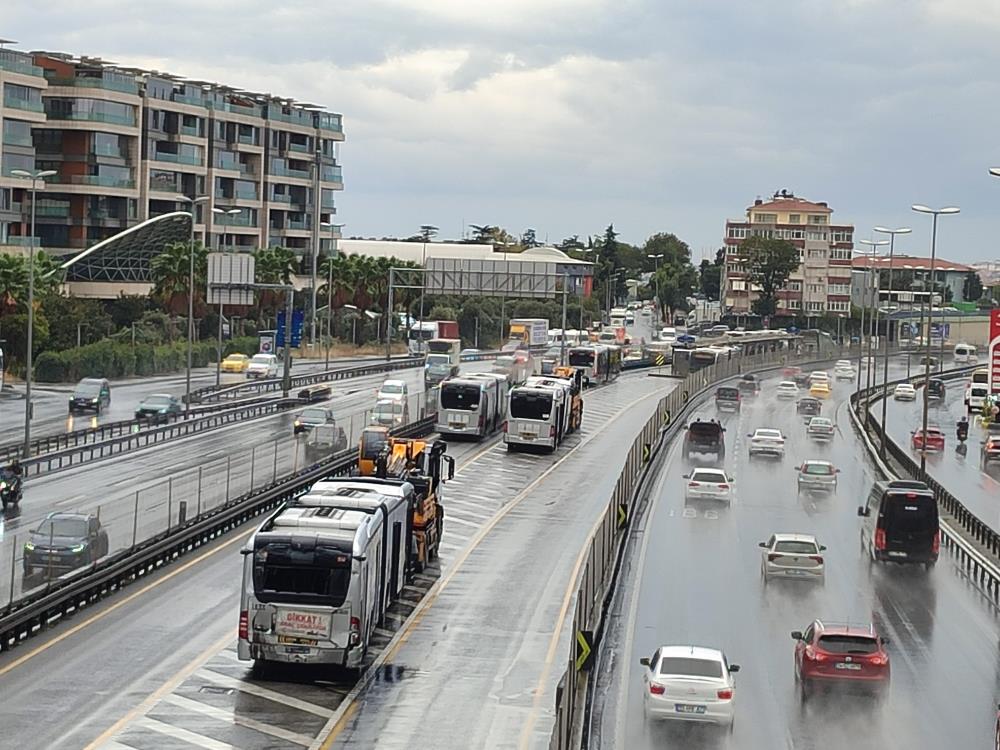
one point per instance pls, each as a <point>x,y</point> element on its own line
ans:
<point>792,556</point>
<point>817,476</point>
<point>820,428</point>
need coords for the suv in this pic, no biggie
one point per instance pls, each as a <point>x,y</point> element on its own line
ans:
<point>90,394</point>
<point>827,653</point>
<point>749,385</point>
<point>64,541</point>
<point>809,406</point>
<point>900,523</point>
<point>727,399</point>
<point>705,436</point>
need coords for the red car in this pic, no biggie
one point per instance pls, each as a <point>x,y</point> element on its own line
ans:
<point>934,441</point>
<point>840,654</point>
<point>790,371</point>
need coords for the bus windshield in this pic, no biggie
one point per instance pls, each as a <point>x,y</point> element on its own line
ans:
<point>581,357</point>
<point>528,405</point>
<point>321,576</point>
<point>459,396</point>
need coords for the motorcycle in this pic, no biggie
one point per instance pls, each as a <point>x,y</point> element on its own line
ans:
<point>962,433</point>
<point>10,491</point>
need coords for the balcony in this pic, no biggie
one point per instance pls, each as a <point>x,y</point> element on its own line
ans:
<point>94,180</point>
<point>197,101</point>
<point>193,161</point>
<point>18,241</point>
<point>300,224</point>
<point>304,119</point>
<point>17,66</point>
<point>94,117</point>
<point>52,211</point>
<point>247,140</point>
<point>302,174</point>
<point>238,109</point>
<point>108,84</point>
<point>190,130</point>
<point>326,121</point>
<point>280,199</point>
<point>302,148</point>
<point>12,139</point>
<point>28,106</point>
<point>331,174</point>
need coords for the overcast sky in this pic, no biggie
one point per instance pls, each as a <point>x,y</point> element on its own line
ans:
<point>565,115</point>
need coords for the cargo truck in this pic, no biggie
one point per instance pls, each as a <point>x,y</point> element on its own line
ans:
<point>532,333</point>
<point>421,333</point>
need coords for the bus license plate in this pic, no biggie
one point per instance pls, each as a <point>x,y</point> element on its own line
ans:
<point>297,641</point>
<point>297,649</point>
<point>528,435</point>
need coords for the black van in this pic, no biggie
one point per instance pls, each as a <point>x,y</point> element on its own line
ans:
<point>727,399</point>
<point>935,389</point>
<point>901,523</point>
<point>90,394</point>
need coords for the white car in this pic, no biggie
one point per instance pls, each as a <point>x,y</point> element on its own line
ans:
<point>392,390</point>
<point>842,363</point>
<point>689,683</point>
<point>787,389</point>
<point>844,372</point>
<point>819,376</point>
<point>820,428</point>
<point>904,392</point>
<point>792,556</point>
<point>767,442</point>
<point>263,366</point>
<point>714,484</point>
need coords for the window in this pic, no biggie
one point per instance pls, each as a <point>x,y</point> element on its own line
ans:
<point>840,254</point>
<point>848,644</point>
<point>95,110</point>
<point>460,397</point>
<point>793,304</point>
<point>843,237</point>
<point>22,97</point>
<point>793,219</point>
<point>797,234</point>
<point>737,233</point>
<point>815,288</point>
<point>817,219</point>
<point>816,235</point>
<point>765,218</point>
<point>797,547</point>
<point>535,406</point>
<point>738,285</point>
<point>814,306</point>
<point>17,161</point>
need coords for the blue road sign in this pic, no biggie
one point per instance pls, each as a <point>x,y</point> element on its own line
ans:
<point>298,322</point>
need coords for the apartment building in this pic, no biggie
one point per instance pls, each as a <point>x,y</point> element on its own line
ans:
<point>126,142</point>
<point>822,283</point>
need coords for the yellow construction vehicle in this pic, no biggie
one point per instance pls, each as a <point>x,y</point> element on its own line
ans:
<point>421,463</point>
<point>575,376</point>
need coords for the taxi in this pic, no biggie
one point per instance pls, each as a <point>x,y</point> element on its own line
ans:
<point>235,363</point>
<point>820,389</point>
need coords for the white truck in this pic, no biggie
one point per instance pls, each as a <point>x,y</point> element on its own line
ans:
<point>532,333</point>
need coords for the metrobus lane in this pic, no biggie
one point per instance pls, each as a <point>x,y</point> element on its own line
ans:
<point>697,581</point>
<point>200,471</point>
<point>156,666</point>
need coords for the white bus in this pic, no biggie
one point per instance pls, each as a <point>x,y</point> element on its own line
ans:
<point>320,572</point>
<point>1,369</point>
<point>537,416</point>
<point>471,405</point>
<point>965,354</point>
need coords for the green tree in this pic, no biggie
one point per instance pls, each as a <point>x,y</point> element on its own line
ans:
<point>171,271</point>
<point>972,287</point>
<point>128,308</point>
<point>710,275</point>
<point>74,314</point>
<point>528,238</point>
<point>13,282</point>
<point>769,263</point>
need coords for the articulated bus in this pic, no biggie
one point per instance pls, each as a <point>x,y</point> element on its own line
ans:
<point>600,364</point>
<point>537,417</point>
<point>1,369</point>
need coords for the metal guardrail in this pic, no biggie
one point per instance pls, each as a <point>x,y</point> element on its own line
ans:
<point>984,571</point>
<point>137,434</point>
<point>605,548</point>
<point>31,615</point>
<point>269,385</point>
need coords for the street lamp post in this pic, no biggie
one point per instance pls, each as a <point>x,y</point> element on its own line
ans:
<point>227,213</point>
<point>335,230</point>
<point>35,177</point>
<point>873,244</point>
<point>191,202</point>
<point>869,375</point>
<point>885,348</point>
<point>427,231</point>
<point>919,208</point>
<point>656,268</point>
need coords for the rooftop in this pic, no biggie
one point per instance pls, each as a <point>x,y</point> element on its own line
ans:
<point>783,200</point>
<point>909,263</point>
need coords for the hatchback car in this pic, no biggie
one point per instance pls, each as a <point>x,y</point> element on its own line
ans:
<point>235,363</point>
<point>817,476</point>
<point>689,683</point>
<point>809,406</point>
<point>787,389</point>
<point>844,372</point>
<point>262,366</point>
<point>390,413</point>
<point>64,541</point>
<point>713,484</point>
<point>767,442</point>
<point>932,440</point>
<point>830,654</point>
<point>393,390</point>
<point>935,389</point>
<point>904,392</point>
<point>158,407</point>
<point>749,385</point>
<point>90,394</point>
<point>821,429</point>
<point>312,417</point>
<point>792,556</point>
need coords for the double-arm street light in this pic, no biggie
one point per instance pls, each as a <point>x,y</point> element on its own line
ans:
<point>427,232</point>
<point>228,213</point>
<point>191,203</point>
<point>873,244</point>
<point>334,236</point>
<point>934,212</point>
<point>888,320</point>
<point>656,268</point>
<point>35,178</point>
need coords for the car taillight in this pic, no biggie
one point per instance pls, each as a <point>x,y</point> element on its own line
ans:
<point>355,631</point>
<point>880,539</point>
<point>936,543</point>
<point>244,625</point>
<point>656,689</point>
<point>816,558</point>
<point>723,486</point>
<point>503,427</point>
<point>878,660</point>
<point>813,655</point>
<point>694,484</point>
<point>725,695</point>
<point>771,557</point>
<point>552,431</point>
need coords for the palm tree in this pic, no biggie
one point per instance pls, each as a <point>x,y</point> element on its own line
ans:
<point>13,282</point>
<point>273,265</point>
<point>171,269</point>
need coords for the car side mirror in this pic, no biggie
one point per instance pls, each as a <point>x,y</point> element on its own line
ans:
<point>862,511</point>
<point>762,545</point>
<point>836,471</point>
<point>796,635</point>
<point>685,476</point>
<point>822,548</point>
<point>644,661</point>
<point>734,668</point>
<point>885,641</point>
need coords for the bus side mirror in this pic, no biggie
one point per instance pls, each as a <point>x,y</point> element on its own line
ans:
<point>862,511</point>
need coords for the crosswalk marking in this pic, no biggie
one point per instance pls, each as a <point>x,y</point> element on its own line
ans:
<point>230,716</point>
<point>261,692</point>
<point>193,738</point>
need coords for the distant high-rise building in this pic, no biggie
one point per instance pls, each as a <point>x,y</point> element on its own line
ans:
<point>821,284</point>
<point>125,143</point>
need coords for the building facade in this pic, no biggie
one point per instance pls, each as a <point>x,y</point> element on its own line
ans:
<point>911,278</point>
<point>822,283</point>
<point>125,143</point>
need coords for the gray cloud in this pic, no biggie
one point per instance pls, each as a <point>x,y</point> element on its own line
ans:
<point>565,115</point>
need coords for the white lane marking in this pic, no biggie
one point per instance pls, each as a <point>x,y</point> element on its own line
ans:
<point>453,519</point>
<point>116,745</point>
<point>261,692</point>
<point>192,738</point>
<point>229,716</point>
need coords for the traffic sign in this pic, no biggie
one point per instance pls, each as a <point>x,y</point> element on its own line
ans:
<point>298,321</point>
<point>660,359</point>
<point>622,514</point>
<point>584,647</point>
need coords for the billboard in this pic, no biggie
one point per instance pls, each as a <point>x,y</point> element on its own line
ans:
<point>994,351</point>
<point>230,278</point>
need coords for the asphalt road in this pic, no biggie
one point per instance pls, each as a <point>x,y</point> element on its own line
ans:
<point>50,401</point>
<point>697,581</point>
<point>157,669</point>
<point>978,490</point>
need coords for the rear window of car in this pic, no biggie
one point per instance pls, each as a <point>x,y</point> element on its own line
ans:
<point>690,667</point>
<point>704,429</point>
<point>910,514</point>
<point>709,476</point>
<point>768,434</point>
<point>848,644</point>
<point>316,414</point>
<point>796,547</point>
<point>727,393</point>
<point>788,384</point>
<point>820,422</point>
<point>817,469</point>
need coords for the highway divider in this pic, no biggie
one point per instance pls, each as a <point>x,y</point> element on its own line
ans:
<point>32,614</point>
<point>974,543</point>
<point>605,549</point>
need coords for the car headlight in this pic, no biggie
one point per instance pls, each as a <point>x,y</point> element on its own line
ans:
<point>77,548</point>
<point>29,546</point>
<point>93,400</point>
<point>3,485</point>
<point>298,423</point>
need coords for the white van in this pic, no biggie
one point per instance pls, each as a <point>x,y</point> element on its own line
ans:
<point>965,354</point>
<point>975,397</point>
<point>263,366</point>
